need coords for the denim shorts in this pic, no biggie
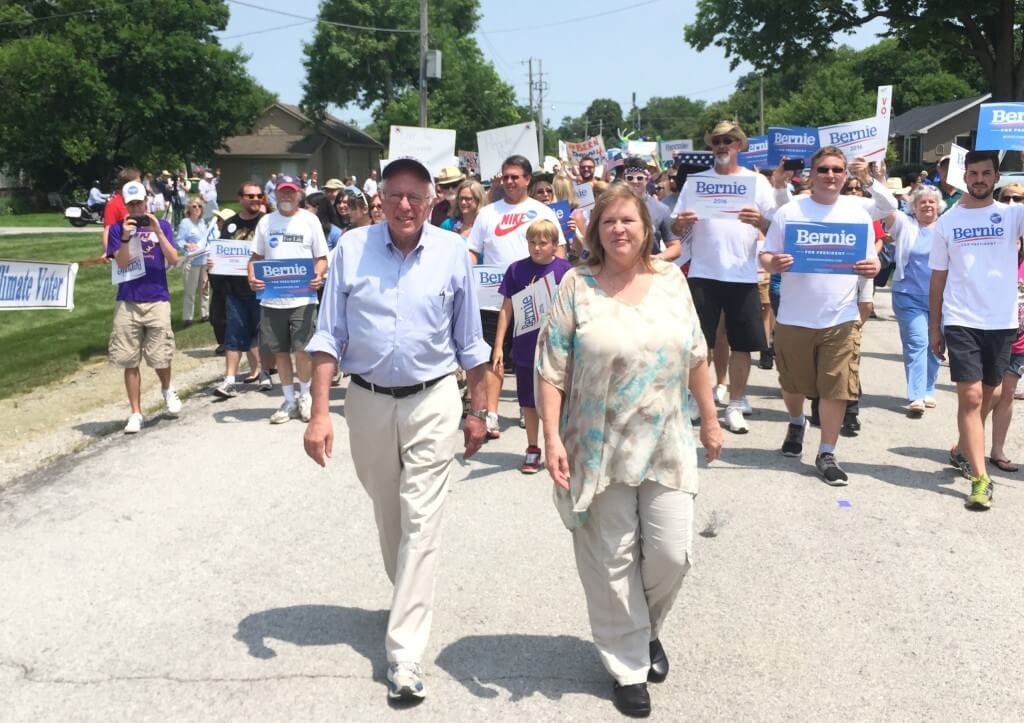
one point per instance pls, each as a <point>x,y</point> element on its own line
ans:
<point>243,322</point>
<point>1016,367</point>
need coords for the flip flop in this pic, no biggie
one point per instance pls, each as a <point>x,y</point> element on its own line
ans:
<point>252,378</point>
<point>1004,464</point>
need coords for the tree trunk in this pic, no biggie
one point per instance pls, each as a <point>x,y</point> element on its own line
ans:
<point>1005,72</point>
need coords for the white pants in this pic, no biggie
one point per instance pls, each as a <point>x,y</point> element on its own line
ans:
<point>403,451</point>
<point>193,276</point>
<point>632,555</point>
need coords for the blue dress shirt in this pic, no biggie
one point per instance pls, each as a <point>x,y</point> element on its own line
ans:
<point>400,320</point>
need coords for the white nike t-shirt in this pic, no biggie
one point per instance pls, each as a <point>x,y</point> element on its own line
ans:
<point>978,247</point>
<point>499,232</point>
<point>817,301</point>
<point>725,249</point>
<point>300,236</point>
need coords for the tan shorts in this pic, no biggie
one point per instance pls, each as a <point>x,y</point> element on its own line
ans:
<point>819,363</point>
<point>142,330</point>
<point>763,281</point>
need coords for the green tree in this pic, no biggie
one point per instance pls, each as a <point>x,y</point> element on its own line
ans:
<point>788,33</point>
<point>671,118</point>
<point>381,70</point>
<point>87,92</point>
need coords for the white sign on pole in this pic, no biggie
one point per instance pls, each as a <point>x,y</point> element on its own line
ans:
<point>434,146</point>
<point>866,137</point>
<point>957,167</point>
<point>648,150</point>
<point>37,285</point>
<point>883,106</point>
<point>669,149</point>
<point>498,144</point>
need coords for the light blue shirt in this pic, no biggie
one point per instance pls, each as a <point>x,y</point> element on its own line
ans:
<point>398,321</point>
<point>917,275</point>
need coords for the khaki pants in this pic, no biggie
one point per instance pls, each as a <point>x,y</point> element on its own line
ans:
<point>632,555</point>
<point>193,275</point>
<point>403,451</point>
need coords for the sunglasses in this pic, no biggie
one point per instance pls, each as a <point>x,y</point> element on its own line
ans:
<point>837,170</point>
<point>723,141</point>
<point>252,195</point>
<point>1015,199</point>
<point>195,205</point>
<point>635,179</point>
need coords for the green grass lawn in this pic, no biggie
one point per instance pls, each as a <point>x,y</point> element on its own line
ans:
<point>40,347</point>
<point>49,219</point>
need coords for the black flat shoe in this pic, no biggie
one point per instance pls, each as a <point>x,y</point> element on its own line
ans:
<point>659,663</point>
<point>632,700</point>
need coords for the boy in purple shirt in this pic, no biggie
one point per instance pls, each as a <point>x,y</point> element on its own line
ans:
<point>542,240</point>
<point>142,316</point>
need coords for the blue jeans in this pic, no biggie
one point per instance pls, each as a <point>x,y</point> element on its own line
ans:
<point>921,365</point>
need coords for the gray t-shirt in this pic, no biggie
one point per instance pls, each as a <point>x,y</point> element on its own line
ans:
<point>661,219</point>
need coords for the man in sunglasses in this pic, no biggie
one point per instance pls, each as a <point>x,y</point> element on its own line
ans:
<point>666,241</point>
<point>817,339</point>
<point>723,267</point>
<point>587,168</point>
<point>499,233</point>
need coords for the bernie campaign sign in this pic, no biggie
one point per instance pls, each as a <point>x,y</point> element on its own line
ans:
<point>791,143</point>
<point>1000,127</point>
<point>756,155</point>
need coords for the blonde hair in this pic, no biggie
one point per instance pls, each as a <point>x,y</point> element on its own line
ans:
<point>1010,188</point>
<point>613,194</point>
<point>478,193</point>
<point>564,190</point>
<point>542,230</point>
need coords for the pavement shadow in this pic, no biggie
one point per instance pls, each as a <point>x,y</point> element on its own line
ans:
<point>552,665</point>
<point>234,416</point>
<point>493,462</point>
<point>362,630</point>
<point>885,356</point>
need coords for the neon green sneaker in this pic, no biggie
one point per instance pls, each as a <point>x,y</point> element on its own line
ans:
<point>981,493</point>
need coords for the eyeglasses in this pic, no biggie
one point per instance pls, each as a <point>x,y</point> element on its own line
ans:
<point>837,170</point>
<point>252,195</point>
<point>544,191</point>
<point>635,179</point>
<point>1014,199</point>
<point>723,141</point>
<point>510,177</point>
<point>195,205</point>
<point>414,199</point>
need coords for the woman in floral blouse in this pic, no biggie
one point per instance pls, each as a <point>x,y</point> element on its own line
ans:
<point>619,350</point>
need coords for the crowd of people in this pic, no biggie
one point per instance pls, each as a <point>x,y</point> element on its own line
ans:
<point>612,378</point>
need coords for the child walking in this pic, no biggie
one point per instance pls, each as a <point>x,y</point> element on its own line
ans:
<point>542,241</point>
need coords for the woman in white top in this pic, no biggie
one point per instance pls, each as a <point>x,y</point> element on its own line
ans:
<point>912,236</point>
<point>191,237</point>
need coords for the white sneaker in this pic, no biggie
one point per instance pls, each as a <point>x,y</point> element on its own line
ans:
<point>719,392</point>
<point>744,406</point>
<point>734,420</point>
<point>134,423</point>
<point>305,407</point>
<point>694,411</point>
<point>172,402</point>
<point>266,383</point>
<point>225,390</point>
<point>288,410</point>
<point>405,682</point>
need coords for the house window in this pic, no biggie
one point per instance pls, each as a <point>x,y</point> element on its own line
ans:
<point>912,149</point>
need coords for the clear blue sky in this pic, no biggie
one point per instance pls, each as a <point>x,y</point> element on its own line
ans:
<point>582,59</point>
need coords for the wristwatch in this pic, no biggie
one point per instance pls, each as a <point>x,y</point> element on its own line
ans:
<point>480,414</point>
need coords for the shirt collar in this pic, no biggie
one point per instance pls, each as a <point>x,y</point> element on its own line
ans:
<point>423,242</point>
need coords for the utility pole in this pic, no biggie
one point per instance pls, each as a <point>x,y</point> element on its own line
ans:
<point>540,109</point>
<point>423,63</point>
<point>529,62</point>
<point>762,104</point>
<point>636,113</point>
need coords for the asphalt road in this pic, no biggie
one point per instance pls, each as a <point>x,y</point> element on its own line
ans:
<point>206,570</point>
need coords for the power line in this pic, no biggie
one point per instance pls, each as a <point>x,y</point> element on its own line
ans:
<point>334,23</point>
<point>573,20</point>
<point>266,30</point>
<point>90,11</point>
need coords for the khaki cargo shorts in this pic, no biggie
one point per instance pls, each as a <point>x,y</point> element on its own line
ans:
<point>142,330</point>
<point>819,363</point>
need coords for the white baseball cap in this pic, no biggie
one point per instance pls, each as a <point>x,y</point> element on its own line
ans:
<point>133,191</point>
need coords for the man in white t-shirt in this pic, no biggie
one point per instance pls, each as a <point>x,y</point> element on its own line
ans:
<point>370,185</point>
<point>287,325</point>
<point>817,339</point>
<point>723,264</point>
<point>973,295</point>
<point>499,235</point>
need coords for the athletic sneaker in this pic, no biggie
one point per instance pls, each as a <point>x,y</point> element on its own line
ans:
<point>830,470</point>
<point>734,420</point>
<point>225,390</point>
<point>981,493</point>
<point>492,426</point>
<point>172,403</point>
<point>958,461</point>
<point>719,392</point>
<point>744,406</point>
<point>305,407</point>
<point>405,682</point>
<point>767,360</point>
<point>288,410</point>
<point>793,445</point>
<point>134,423</point>
<point>531,464</point>
<point>266,383</point>
<point>916,409</point>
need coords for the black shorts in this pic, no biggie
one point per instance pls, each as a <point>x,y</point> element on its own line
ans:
<point>978,355</point>
<point>489,321</point>
<point>741,304</point>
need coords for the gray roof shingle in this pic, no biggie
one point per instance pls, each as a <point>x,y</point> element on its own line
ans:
<point>920,119</point>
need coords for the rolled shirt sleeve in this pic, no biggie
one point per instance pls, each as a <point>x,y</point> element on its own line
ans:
<point>331,327</point>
